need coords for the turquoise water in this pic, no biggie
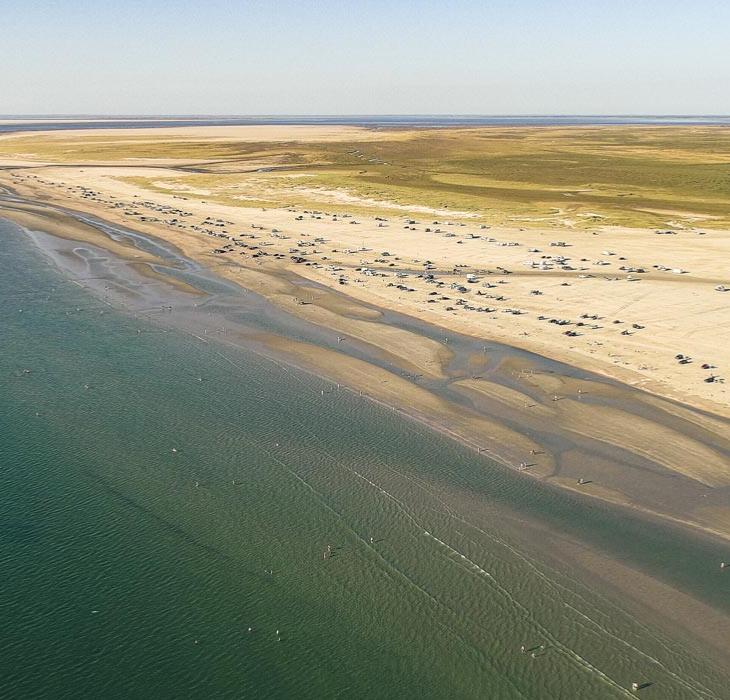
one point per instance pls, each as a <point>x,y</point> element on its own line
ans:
<point>151,483</point>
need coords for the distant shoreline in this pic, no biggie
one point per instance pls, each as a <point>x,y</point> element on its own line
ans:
<point>12,123</point>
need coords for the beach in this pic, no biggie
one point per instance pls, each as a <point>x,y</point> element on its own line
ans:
<point>575,484</point>
<point>673,298</point>
<point>648,341</point>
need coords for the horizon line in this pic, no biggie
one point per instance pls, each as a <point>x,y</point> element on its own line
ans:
<point>107,115</point>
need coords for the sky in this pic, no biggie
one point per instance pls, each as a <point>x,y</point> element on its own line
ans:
<point>368,57</point>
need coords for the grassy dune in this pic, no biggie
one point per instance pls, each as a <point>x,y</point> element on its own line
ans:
<point>638,176</point>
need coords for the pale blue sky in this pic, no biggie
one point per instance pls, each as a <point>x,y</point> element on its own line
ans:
<point>368,57</point>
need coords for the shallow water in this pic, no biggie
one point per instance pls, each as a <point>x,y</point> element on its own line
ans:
<point>132,570</point>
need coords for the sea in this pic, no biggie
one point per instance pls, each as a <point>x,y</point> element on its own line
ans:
<point>187,519</point>
<point>15,123</point>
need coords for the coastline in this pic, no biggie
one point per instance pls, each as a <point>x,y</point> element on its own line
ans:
<point>622,576</point>
<point>438,391</point>
<point>108,188</point>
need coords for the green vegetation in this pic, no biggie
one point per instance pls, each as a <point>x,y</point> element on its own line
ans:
<point>629,176</point>
<point>638,176</point>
